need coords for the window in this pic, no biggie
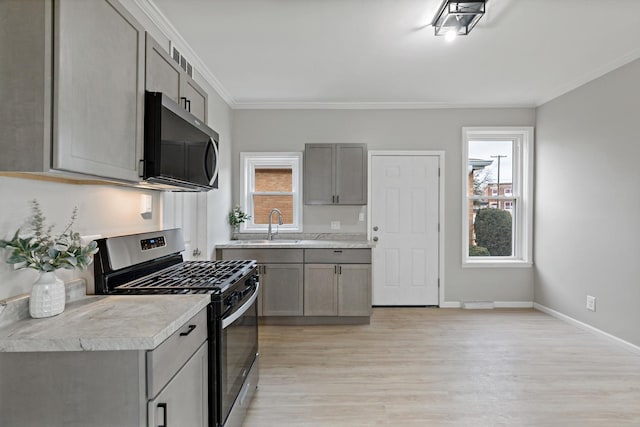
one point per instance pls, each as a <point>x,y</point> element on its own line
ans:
<point>497,201</point>
<point>268,181</point>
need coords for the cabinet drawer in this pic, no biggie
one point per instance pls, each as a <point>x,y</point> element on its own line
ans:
<point>338,256</point>
<point>165,360</point>
<point>265,256</point>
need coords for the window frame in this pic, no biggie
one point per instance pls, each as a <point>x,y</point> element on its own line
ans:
<point>249,162</point>
<point>521,194</point>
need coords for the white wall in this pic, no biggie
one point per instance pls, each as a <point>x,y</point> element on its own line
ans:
<point>102,210</point>
<point>588,203</point>
<point>288,130</point>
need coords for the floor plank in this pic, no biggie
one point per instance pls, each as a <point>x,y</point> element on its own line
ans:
<point>445,367</point>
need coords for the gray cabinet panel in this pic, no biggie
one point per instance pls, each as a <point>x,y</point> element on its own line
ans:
<point>98,89</point>
<point>282,290</point>
<point>72,388</point>
<point>25,85</point>
<point>320,290</point>
<point>351,174</point>
<point>169,356</point>
<point>162,74</point>
<point>338,256</point>
<point>354,290</point>
<point>263,256</point>
<point>196,97</point>
<point>335,174</point>
<point>183,402</point>
<point>319,184</point>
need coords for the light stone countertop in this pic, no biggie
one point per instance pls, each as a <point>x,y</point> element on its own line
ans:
<point>101,323</point>
<point>295,244</point>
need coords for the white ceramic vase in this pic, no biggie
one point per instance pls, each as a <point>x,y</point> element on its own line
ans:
<point>47,296</point>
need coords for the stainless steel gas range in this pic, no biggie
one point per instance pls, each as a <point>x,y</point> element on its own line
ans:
<point>150,263</point>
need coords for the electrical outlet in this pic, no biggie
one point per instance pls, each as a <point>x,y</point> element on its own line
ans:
<point>591,303</point>
<point>335,225</point>
<point>361,216</point>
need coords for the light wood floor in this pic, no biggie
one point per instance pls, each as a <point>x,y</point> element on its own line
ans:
<point>445,367</point>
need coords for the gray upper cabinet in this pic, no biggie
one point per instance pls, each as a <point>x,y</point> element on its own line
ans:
<point>164,75</point>
<point>335,174</point>
<point>98,89</point>
<point>73,90</point>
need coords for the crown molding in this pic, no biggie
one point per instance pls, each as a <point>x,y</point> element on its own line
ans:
<point>156,16</point>
<point>366,106</point>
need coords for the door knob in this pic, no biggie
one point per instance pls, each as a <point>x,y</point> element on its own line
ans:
<point>375,239</point>
<point>375,228</point>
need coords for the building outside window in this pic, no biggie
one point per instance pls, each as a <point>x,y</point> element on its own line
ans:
<point>498,192</point>
<point>271,181</point>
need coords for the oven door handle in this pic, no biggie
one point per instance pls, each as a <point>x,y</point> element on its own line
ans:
<point>236,315</point>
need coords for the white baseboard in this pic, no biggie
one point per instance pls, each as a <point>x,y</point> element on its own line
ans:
<point>497,304</point>
<point>514,304</point>
<point>450,304</point>
<point>626,344</point>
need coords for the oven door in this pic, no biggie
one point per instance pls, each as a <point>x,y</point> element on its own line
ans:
<point>237,352</point>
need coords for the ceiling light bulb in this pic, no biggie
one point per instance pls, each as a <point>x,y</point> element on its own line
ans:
<point>450,36</point>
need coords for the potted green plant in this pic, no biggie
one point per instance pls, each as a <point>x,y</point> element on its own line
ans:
<point>237,217</point>
<point>45,252</point>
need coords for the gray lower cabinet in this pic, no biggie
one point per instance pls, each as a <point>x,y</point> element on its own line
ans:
<point>354,290</point>
<point>164,75</point>
<point>335,174</point>
<point>310,282</point>
<point>282,289</point>
<point>320,290</point>
<point>163,386</point>
<point>281,278</point>
<point>183,402</point>
<point>337,290</point>
<point>73,90</point>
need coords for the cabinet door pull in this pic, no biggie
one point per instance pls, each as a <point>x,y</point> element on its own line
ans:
<point>340,270</point>
<point>337,251</point>
<point>163,406</point>
<point>338,198</point>
<point>191,328</point>
<point>188,105</point>
<point>335,269</point>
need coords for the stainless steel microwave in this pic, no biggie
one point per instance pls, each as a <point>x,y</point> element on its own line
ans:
<point>179,150</point>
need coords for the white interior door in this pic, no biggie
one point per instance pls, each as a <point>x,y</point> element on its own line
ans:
<point>404,219</point>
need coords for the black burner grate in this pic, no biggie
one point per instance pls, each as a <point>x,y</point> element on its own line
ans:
<point>190,276</point>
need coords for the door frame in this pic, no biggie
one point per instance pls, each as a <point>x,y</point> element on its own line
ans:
<point>441,216</point>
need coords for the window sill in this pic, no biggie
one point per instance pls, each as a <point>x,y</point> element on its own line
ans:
<point>498,264</point>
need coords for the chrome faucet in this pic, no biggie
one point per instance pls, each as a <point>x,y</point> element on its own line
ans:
<point>269,234</point>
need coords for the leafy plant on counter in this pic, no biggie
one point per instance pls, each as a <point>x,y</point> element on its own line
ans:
<point>237,216</point>
<point>43,251</point>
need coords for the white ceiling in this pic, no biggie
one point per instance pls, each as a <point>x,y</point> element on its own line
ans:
<point>383,54</point>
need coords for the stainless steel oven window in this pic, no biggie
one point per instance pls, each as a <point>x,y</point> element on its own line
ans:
<point>239,346</point>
